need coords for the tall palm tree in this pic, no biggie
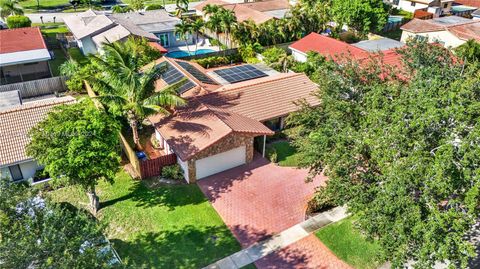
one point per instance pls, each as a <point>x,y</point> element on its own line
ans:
<point>210,9</point>
<point>183,30</point>
<point>10,7</point>
<point>122,87</point>
<point>213,24</point>
<point>195,28</point>
<point>228,20</point>
<point>182,6</point>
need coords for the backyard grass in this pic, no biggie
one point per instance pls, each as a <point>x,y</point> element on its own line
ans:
<point>350,245</point>
<point>165,227</point>
<point>286,153</point>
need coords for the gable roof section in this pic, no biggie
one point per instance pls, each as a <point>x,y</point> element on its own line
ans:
<point>327,46</point>
<point>194,128</point>
<point>264,98</point>
<point>467,31</point>
<point>87,23</point>
<point>434,25</point>
<point>111,35</point>
<point>21,39</point>
<point>15,124</point>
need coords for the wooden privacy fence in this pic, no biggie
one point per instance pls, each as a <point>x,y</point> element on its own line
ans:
<point>37,87</point>
<point>143,169</point>
<point>153,167</point>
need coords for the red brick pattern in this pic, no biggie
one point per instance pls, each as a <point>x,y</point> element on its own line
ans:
<point>259,199</point>
<point>308,253</point>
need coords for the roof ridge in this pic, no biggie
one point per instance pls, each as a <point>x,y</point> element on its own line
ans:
<point>37,104</point>
<point>17,29</point>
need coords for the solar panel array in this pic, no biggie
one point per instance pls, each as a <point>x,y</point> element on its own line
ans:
<point>171,76</point>
<point>240,73</point>
<point>196,73</point>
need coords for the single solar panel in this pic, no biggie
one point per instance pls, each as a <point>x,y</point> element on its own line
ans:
<point>171,76</point>
<point>196,73</point>
<point>240,73</point>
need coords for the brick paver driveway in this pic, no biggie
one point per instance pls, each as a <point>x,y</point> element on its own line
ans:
<point>260,199</point>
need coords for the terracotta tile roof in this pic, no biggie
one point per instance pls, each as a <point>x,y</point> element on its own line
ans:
<point>249,11</point>
<point>467,31</point>
<point>157,46</point>
<point>15,124</point>
<point>264,98</point>
<point>328,47</point>
<point>21,39</point>
<point>470,3</point>
<point>196,127</point>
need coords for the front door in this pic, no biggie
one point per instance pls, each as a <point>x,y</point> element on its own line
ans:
<point>163,40</point>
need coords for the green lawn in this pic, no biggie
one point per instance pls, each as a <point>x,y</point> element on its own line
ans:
<point>286,154</point>
<point>166,227</point>
<point>44,4</point>
<point>350,245</point>
<point>77,55</point>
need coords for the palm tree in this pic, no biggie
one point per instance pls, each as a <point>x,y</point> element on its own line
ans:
<point>210,9</point>
<point>10,7</point>
<point>182,6</point>
<point>228,20</point>
<point>123,88</point>
<point>184,29</point>
<point>196,27</point>
<point>213,24</point>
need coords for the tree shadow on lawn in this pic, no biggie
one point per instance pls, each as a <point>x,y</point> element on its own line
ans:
<point>186,247</point>
<point>194,247</point>
<point>168,196</point>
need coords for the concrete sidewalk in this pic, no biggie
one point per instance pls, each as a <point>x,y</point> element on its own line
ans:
<point>291,235</point>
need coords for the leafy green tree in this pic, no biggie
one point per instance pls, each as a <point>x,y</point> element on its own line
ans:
<point>36,233</point>
<point>277,58</point>
<point>129,91</point>
<point>10,7</point>
<point>121,9</point>
<point>182,7</point>
<point>400,148</point>
<point>78,144</point>
<point>363,16</point>
<point>470,51</point>
<point>18,21</point>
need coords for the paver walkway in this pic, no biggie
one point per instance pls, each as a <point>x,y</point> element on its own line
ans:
<point>295,247</point>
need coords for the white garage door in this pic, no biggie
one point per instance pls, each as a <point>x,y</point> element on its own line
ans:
<point>220,162</point>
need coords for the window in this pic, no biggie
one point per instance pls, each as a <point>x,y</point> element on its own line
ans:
<point>420,38</point>
<point>163,39</point>
<point>15,172</point>
<point>413,4</point>
<point>445,5</point>
<point>396,2</point>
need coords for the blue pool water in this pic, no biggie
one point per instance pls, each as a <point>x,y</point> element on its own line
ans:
<point>182,53</point>
<point>394,19</point>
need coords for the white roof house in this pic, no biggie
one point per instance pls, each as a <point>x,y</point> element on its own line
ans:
<point>91,29</point>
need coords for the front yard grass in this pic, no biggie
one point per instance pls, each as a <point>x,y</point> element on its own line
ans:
<point>166,227</point>
<point>350,245</point>
<point>44,4</point>
<point>286,154</point>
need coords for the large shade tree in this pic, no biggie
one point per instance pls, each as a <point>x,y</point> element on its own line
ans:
<point>78,144</point>
<point>401,150</point>
<point>363,16</point>
<point>128,88</point>
<point>36,233</point>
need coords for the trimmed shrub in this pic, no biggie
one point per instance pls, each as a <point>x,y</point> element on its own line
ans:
<point>215,61</point>
<point>322,200</point>
<point>154,7</point>
<point>18,21</point>
<point>172,172</point>
<point>272,154</point>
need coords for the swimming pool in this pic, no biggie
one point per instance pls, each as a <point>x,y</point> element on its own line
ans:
<point>395,19</point>
<point>182,53</point>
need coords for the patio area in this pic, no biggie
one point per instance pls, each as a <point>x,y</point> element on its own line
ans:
<point>203,46</point>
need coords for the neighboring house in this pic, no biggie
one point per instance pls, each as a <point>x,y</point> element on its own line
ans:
<point>15,123</point>
<point>92,29</point>
<point>470,3</point>
<point>259,12</point>
<point>335,49</point>
<point>451,31</point>
<point>229,112</point>
<point>23,55</point>
<point>436,7</point>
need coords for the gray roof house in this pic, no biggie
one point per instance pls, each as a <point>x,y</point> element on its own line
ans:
<point>91,28</point>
